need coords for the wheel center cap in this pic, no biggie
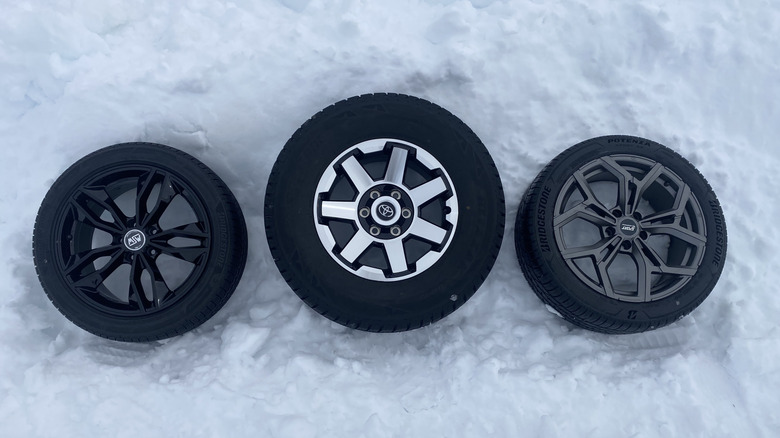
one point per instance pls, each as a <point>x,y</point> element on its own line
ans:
<point>385,210</point>
<point>134,240</point>
<point>629,228</point>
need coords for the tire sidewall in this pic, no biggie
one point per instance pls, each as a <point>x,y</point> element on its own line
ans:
<point>542,210</point>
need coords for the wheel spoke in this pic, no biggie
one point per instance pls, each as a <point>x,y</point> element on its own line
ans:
<point>136,293</point>
<point>189,231</point>
<point>159,287</point>
<point>676,212</point>
<point>646,182</point>
<point>144,189</point>
<point>427,191</point>
<point>88,217</point>
<point>99,196</point>
<point>625,198</point>
<point>591,200</point>
<point>357,174</point>
<point>581,211</point>
<point>339,210</point>
<point>602,267</point>
<point>356,246</point>
<point>644,270</point>
<point>191,254</point>
<point>594,250</point>
<point>396,255</point>
<point>677,231</point>
<point>91,281</point>
<point>166,195</point>
<point>428,231</point>
<point>83,259</point>
<point>396,166</point>
<point>661,267</point>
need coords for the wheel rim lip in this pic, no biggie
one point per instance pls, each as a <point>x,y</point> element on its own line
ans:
<point>327,239</point>
<point>638,235</point>
<point>122,309</point>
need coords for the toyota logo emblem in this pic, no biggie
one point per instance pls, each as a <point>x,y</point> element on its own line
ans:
<point>386,210</point>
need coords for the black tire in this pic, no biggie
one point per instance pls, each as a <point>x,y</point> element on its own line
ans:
<point>620,264</point>
<point>133,273</point>
<point>344,154</point>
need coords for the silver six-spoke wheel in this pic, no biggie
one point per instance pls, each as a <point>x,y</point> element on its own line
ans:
<point>385,209</point>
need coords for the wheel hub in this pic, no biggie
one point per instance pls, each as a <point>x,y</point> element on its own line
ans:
<point>134,240</point>
<point>628,228</point>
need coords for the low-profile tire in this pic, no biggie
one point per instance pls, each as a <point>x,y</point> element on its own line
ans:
<point>620,234</point>
<point>139,242</point>
<point>384,212</point>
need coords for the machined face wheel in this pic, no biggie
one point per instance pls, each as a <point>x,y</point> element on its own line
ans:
<point>139,242</point>
<point>620,234</point>
<point>385,210</point>
<point>630,228</point>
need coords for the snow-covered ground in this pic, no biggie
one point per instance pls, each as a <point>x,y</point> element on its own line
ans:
<point>230,81</point>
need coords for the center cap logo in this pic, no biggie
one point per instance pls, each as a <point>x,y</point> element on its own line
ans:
<point>628,227</point>
<point>386,210</point>
<point>134,240</point>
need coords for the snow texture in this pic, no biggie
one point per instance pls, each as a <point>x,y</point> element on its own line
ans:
<point>230,81</point>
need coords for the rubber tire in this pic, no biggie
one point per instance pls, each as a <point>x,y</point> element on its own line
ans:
<point>555,284</point>
<point>343,296</point>
<point>212,289</point>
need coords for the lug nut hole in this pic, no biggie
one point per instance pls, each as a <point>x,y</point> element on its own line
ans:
<point>374,230</point>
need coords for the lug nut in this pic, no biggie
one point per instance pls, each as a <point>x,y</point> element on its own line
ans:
<point>406,213</point>
<point>643,235</point>
<point>610,231</point>
<point>374,194</point>
<point>364,212</point>
<point>396,194</point>
<point>374,230</point>
<point>395,231</point>
<point>617,213</point>
<point>626,245</point>
<point>637,215</point>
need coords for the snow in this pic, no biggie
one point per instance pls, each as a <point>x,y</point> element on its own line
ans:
<point>229,82</point>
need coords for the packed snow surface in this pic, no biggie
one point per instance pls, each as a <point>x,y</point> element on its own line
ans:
<point>230,81</point>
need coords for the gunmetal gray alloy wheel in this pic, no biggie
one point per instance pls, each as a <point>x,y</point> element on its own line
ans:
<point>620,235</point>
<point>139,242</point>
<point>384,212</point>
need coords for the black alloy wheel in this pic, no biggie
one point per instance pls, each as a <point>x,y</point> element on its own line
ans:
<point>139,242</point>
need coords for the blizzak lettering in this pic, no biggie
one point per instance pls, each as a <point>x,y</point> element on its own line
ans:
<point>540,219</point>
<point>720,235</point>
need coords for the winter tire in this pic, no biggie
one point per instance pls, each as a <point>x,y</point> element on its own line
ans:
<point>620,234</point>
<point>139,242</point>
<point>384,212</point>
